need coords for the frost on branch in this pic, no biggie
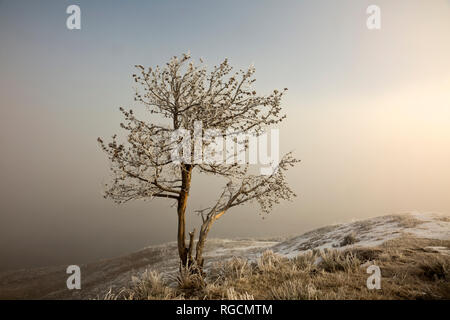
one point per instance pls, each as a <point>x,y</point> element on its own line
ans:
<point>177,96</point>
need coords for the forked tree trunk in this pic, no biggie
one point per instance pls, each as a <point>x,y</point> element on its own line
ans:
<point>184,252</point>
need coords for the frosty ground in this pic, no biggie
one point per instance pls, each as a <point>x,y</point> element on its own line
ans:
<point>413,250</point>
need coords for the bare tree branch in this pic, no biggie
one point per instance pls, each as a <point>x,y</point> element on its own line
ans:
<point>181,94</point>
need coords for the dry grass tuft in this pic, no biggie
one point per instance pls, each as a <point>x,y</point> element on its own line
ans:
<point>233,295</point>
<point>348,240</point>
<point>234,269</point>
<point>190,281</point>
<point>334,260</point>
<point>436,269</point>
<point>269,261</point>
<point>149,287</point>
<point>306,261</point>
<point>295,290</point>
<point>406,220</point>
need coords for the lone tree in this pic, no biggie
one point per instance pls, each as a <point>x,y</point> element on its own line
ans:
<point>178,96</point>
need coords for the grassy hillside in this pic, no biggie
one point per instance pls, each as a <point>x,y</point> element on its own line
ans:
<point>331,262</point>
<point>411,268</point>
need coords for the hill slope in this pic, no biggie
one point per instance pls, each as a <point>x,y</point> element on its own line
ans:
<point>429,233</point>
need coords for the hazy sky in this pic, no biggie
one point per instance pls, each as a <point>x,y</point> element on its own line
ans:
<point>368,114</point>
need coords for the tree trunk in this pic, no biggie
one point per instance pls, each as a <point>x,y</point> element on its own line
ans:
<point>186,171</point>
<point>206,226</point>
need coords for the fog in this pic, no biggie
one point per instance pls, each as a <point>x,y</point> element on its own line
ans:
<point>368,114</point>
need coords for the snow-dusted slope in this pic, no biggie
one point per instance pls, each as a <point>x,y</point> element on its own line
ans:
<point>116,273</point>
<point>368,233</point>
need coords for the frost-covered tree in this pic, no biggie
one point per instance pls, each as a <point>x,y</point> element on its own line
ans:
<point>177,96</point>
